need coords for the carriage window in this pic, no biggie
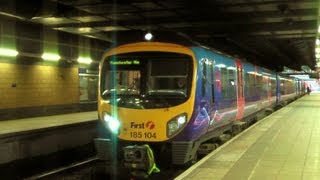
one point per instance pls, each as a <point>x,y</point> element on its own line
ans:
<point>273,87</point>
<point>247,85</point>
<point>123,82</point>
<point>250,85</point>
<point>265,88</point>
<point>212,82</point>
<point>168,76</point>
<point>146,79</point>
<point>232,85</point>
<point>224,82</point>
<point>88,84</point>
<point>258,83</point>
<point>204,79</point>
<point>287,87</point>
<point>168,68</point>
<point>240,82</point>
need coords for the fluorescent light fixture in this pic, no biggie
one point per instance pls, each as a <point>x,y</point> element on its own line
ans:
<point>317,55</point>
<point>113,28</point>
<point>50,57</point>
<point>8,52</point>
<point>12,15</point>
<point>87,30</point>
<point>317,42</point>
<point>317,50</point>
<point>148,36</point>
<point>84,60</point>
<point>301,76</point>
<point>318,29</point>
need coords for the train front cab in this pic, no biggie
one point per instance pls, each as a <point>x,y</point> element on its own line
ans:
<point>141,102</point>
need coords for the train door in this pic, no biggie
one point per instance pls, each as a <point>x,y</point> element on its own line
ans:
<point>240,97</point>
<point>298,87</point>
<point>202,121</point>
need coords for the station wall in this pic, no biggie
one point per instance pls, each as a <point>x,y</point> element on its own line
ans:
<point>38,85</point>
<point>31,85</point>
<point>39,89</point>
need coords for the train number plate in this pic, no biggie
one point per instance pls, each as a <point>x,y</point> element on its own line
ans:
<point>144,135</point>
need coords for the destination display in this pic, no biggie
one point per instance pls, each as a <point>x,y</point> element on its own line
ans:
<point>125,62</point>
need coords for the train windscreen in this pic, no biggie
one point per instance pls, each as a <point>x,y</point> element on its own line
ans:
<point>146,79</point>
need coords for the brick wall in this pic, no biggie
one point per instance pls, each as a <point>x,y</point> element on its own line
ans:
<point>37,85</point>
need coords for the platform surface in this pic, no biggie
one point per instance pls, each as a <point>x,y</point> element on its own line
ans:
<point>284,146</point>
<point>36,123</point>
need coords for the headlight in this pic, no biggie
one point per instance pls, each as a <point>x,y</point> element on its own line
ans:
<point>112,123</point>
<point>175,124</point>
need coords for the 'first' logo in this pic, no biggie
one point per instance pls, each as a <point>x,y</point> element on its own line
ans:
<point>150,125</point>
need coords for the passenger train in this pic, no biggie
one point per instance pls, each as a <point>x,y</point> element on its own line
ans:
<point>161,99</point>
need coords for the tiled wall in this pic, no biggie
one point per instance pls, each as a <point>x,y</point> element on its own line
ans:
<point>37,85</point>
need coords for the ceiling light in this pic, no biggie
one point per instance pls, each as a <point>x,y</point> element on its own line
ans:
<point>148,36</point>
<point>8,52</point>
<point>112,28</point>
<point>12,15</point>
<point>50,56</point>
<point>53,20</point>
<point>84,60</point>
<point>317,42</point>
<point>85,29</point>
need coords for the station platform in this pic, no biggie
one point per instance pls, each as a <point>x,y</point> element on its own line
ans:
<point>19,126</point>
<point>284,145</point>
<point>28,138</point>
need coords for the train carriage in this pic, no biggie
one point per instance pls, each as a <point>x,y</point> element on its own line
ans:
<point>174,99</point>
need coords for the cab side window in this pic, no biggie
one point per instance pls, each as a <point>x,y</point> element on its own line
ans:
<point>204,79</point>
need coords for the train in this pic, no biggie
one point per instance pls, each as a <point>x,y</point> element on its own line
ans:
<point>160,101</point>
